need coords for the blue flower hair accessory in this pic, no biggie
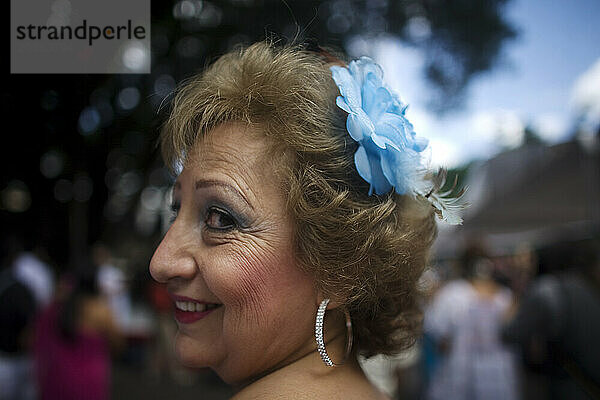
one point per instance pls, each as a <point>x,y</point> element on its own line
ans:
<point>389,153</point>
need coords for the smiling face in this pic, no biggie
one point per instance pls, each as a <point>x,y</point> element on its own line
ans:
<point>244,306</point>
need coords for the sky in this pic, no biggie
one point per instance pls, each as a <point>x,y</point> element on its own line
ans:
<point>546,78</point>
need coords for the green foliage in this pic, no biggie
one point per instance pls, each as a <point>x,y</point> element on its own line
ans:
<point>459,38</point>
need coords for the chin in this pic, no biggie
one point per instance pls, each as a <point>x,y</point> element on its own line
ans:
<point>235,371</point>
<point>193,353</point>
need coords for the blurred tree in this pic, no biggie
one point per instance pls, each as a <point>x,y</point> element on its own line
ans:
<point>459,38</point>
<point>84,145</point>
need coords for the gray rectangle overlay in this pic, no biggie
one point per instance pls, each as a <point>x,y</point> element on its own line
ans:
<point>80,36</point>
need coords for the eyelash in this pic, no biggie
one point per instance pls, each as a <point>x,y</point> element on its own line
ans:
<point>223,214</point>
<point>174,212</point>
<point>211,210</point>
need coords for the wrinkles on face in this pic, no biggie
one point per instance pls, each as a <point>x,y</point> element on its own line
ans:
<point>244,260</point>
<point>257,270</point>
<point>243,168</point>
<point>252,261</point>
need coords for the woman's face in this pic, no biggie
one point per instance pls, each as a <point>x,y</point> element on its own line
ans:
<point>243,306</point>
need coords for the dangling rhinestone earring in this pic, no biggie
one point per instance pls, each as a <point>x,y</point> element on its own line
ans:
<point>321,341</point>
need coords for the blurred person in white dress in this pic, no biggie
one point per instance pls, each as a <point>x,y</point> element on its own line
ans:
<point>465,320</point>
<point>31,270</point>
<point>113,285</point>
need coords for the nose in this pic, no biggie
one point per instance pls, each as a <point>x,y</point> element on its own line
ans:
<point>173,259</point>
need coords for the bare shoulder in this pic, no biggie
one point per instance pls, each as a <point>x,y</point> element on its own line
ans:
<point>309,393</point>
<point>335,387</point>
<point>303,395</point>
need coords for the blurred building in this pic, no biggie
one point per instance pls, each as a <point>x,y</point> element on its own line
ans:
<point>533,195</point>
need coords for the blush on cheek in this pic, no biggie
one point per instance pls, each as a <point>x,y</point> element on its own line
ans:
<point>252,286</point>
<point>257,286</point>
<point>265,301</point>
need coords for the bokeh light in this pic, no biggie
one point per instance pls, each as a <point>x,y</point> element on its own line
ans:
<point>51,164</point>
<point>63,190</point>
<point>129,183</point>
<point>49,100</point>
<point>128,99</point>
<point>136,57</point>
<point>83,188</point>
<point>186,9</point>
<point>89,121</point>
<point>16,197</point>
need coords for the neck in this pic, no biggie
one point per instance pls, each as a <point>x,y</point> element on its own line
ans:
<point>306,361</point>
<point>308,369</point>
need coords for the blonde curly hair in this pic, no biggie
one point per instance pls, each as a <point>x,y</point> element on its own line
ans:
<point>368,251</point>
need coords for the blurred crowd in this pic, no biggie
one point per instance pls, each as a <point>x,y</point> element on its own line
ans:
<point>62,334</point>
<point>516,326</point>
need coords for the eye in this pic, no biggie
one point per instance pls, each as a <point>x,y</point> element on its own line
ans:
<point>174,211</point>
<point>220,220</point>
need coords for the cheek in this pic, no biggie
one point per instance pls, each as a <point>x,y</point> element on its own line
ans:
<point>267,312</point>
<point>259,284</point>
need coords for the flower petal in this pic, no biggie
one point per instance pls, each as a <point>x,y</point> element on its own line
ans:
<point>348,87</point>
<point>376,99</point>
<point>420,144</point>
<point>397,129</point>
<point>362,67</point>
<point>368,92</point>
<point>382,100</point>
<point>378,181</point>
<point>402,170</point>
<point>382,142</point>
<point>369,168</point>
<point>390,174</point>
<point>397,107</point>
<point>355,128</point>
<point>362,164</point>
<point>341,103</point>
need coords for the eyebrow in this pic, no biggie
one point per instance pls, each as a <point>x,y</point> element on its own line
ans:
<point>203,183</point>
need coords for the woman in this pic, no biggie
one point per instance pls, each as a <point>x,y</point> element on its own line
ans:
<point>73,340</point>
<point>281,212</point>
<point>465,322</point>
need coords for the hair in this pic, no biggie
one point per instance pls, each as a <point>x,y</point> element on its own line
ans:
<point>366,251</point>
<point>474,262</point>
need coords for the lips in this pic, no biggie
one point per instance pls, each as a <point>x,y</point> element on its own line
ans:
<point>189,310</point>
